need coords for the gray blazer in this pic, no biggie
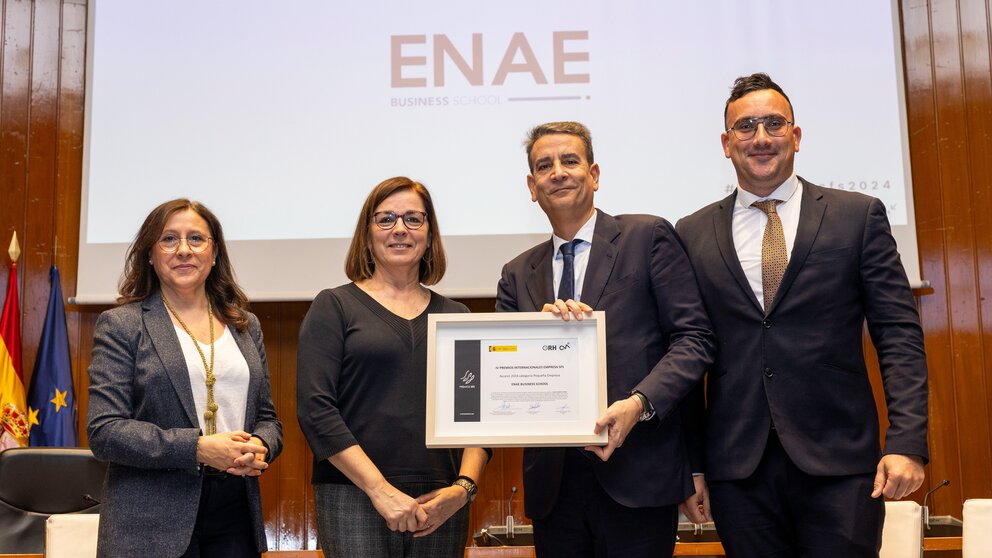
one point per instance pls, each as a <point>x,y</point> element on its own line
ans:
<point>142,419</point>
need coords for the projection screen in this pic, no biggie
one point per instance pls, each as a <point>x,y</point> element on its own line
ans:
<point>282,116</point>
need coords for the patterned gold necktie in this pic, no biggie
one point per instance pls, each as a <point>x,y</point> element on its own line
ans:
<point>773,254</point>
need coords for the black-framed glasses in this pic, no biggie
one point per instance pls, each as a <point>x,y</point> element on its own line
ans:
<point>169,243</point>
<point>745,128</point>
<point>386,220</point>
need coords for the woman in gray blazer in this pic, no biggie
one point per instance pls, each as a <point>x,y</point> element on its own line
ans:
<point>179,398</point>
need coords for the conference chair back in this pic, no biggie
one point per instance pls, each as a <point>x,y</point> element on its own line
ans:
<point>38,482</point>
<point>902,533</point>
<point>976,538</point>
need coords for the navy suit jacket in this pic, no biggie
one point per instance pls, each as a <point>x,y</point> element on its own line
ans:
<point>658,342</point>
<point>142,419</point>
<point>801,367</point>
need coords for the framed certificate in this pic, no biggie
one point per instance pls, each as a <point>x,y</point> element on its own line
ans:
<point>515,379</point>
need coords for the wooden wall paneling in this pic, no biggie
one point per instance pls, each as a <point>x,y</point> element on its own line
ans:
<point>977,75</point>
<point>86,317</point>
<point>15,64</point>
<point>272,496</point>
<point>289,510</point>
<point>980,144</point>
<point>68,176</point>
<point>959,242</point>
<point>926,172</point>
<point>40,196</point>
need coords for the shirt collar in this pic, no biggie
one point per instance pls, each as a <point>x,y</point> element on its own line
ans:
<point>783,193</point>
<point>585,233</point>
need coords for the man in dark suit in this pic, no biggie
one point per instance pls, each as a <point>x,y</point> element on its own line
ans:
<point>611,501</point>
<point>789,273</point>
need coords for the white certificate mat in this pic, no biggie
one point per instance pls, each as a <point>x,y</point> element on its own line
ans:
<point>515,379</point>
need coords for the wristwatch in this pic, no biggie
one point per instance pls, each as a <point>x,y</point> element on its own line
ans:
<point>647,409</point>
<point>469,486</point>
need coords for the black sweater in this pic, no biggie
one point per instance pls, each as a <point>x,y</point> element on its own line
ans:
<point>362,379</point>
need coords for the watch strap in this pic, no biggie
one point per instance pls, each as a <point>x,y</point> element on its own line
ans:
<point>647,410</point>
<point>469,485</point>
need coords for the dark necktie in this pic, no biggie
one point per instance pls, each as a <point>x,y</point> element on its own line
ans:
<point>773,252</point>
<point>566,288</point>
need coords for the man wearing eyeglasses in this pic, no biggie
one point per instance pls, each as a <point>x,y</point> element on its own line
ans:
<point>789,272</point>
<point>620,499</point>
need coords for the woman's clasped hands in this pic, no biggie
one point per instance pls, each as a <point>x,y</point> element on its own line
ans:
<point>236,453</point>
<point>421,515</point>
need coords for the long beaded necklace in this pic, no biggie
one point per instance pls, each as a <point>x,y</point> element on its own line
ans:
<point>210,415</point>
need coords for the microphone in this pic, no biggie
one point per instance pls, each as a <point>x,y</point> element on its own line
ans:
<point>509,516</point>
<point>88,498</point>
<point>926,510</point>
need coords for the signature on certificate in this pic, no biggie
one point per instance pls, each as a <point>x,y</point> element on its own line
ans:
<point>534,407</point>
<point>564,409</point>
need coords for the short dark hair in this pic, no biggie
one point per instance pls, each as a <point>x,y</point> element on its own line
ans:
<point>547,129</point>
<point>359,263</point>
<point>140,281</point>
<point>749,84</point>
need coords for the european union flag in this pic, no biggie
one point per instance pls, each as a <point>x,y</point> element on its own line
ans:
<point>51,395</point>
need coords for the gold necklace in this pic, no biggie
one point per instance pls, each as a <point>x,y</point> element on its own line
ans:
<point>210,415</point>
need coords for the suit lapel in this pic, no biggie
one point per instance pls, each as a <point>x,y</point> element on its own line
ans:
<point>166,343</point>
<point>723,231</point>
<point>810,216</point>
<point>540,284</point>
<point>602,257</point>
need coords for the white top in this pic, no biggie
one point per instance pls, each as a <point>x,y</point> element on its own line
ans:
<point>581,256</point>
<point>231,373</point>
<point>749,227</point>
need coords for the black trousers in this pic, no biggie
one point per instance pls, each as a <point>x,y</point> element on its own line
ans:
<point>223,521</point>
<point>586,522</point>
<point>781,511</point>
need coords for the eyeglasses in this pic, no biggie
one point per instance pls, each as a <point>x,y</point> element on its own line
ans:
<point>745,128</point>
<point>386,220</point>
<point>169,243</point>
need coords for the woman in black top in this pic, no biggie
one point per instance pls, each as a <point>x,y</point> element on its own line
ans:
<point>361,392</point>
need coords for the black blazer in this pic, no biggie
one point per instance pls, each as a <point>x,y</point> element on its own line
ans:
<point>802,366</point>
<point>658,340</point>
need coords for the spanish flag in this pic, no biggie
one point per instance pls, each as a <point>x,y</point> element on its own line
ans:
<point>14,421</point>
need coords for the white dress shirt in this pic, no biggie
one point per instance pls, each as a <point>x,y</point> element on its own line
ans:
<point>749,227</point>
<point>581,256</point>
<point>231,374</point>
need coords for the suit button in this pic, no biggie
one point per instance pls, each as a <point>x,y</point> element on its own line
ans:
<point>769,373</point>
<point>766,323</point>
